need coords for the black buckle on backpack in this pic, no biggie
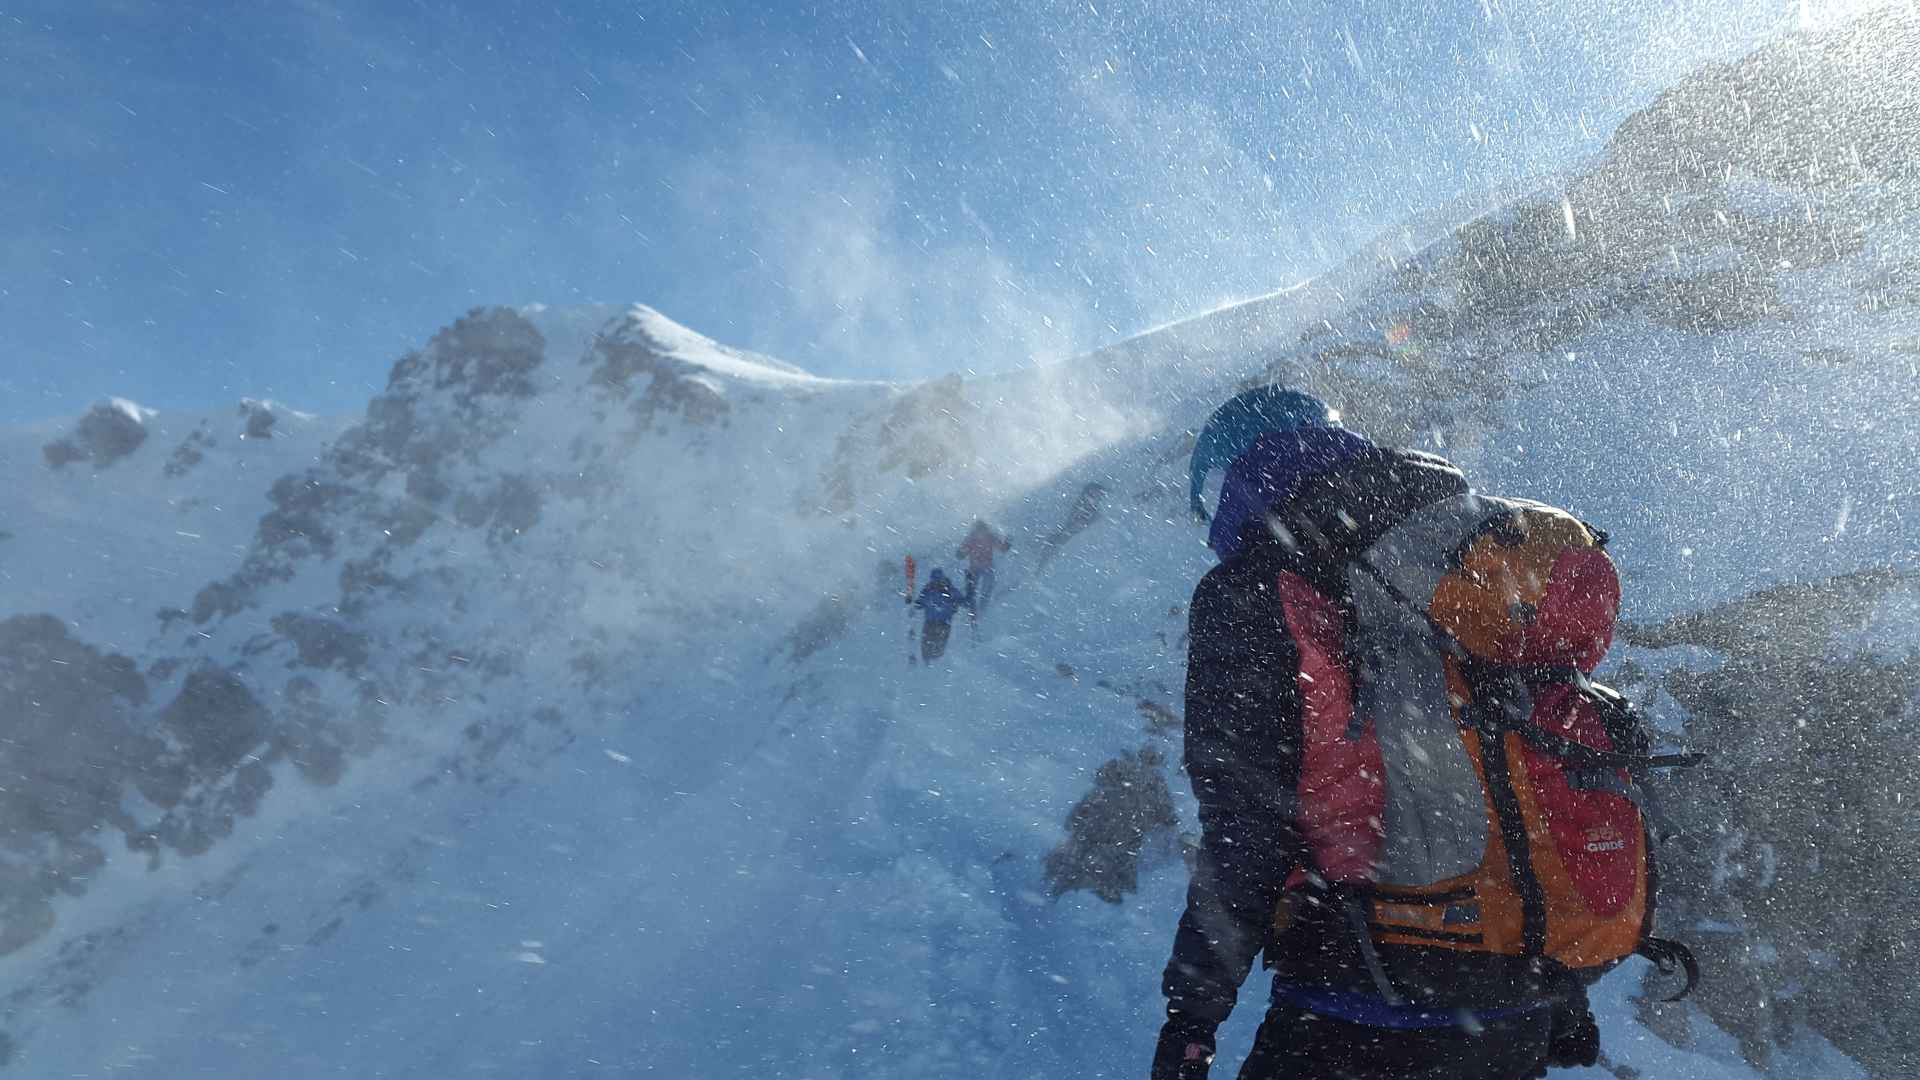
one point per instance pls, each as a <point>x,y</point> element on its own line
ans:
<point>1669,956</point>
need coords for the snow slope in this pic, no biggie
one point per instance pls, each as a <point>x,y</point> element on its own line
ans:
<point>555,719</point>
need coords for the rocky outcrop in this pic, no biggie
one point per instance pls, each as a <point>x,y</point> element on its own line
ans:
<point>445,402</point>
<point>442,406</point>
<point>1814,112</point>
<point>214,768</point>
<point>1792,870</point>
<point>74,745</point>
<point>1129,810</point>
<point>1798,618</point>
<point>259,419</point>
<point>630,364</point>
<point>930,430</point>
<point>108,432</point>
<point>507,508</point>
<point>322,644</point>
<point>490,353</point>
<point>188,455</point>
<point>1704,208</point>
<point>825,625</point>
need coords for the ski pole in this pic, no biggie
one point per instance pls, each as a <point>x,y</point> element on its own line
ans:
<point>909,600</point>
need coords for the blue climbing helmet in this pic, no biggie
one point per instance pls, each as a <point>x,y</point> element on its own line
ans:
<point>1237,425</point>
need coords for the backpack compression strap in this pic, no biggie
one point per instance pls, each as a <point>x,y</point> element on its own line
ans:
<point>1557,745</point>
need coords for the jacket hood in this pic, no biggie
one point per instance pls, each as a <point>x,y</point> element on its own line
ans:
<point>1235,426</point>
<point>1270,471</point>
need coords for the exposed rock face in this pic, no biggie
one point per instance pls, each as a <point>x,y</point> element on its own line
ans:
<point>1129,809</point>
<point>931,430</point>
<point>322,644</point>
<point>1796,836</point>
<point>259,417</point>
<point>491,352</point>
<point>306,688</point>
<point>74,743</point>
<point>108,432</point>
<point>507,509</point>
<point>1758,170</point>
<point>1811,115</point>
<point>1795,619</point>
<point>189,454</point>
<point>441,406</point>
<point>1781,113</point>
<point>311,735</point>
<point>214,767</point>
<point>625,354</point>
<point>437,404</point>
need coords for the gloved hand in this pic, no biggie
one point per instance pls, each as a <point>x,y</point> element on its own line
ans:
<point>1574,1040</point>
<point>1185,1051</point>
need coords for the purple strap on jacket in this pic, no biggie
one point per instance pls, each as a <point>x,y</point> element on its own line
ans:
<point>1371,1011</point>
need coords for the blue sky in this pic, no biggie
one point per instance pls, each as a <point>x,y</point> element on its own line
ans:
<point>209,200</point>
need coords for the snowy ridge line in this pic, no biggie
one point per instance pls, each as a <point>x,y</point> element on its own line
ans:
<point>572,329</point>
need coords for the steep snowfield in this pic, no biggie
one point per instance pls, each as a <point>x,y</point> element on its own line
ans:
<point>555,718</point>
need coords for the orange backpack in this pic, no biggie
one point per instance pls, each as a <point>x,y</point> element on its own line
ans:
<point>1471,800</point>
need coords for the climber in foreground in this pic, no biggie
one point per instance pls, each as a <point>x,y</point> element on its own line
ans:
<point>1412,799</point>
<point>941,601</point>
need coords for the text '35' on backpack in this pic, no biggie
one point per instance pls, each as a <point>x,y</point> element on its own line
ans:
<point>1470,800</point>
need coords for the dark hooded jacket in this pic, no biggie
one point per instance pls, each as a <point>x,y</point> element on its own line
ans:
<point>1243,717</point>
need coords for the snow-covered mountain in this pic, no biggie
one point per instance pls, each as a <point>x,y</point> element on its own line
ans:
<point>554,718</point>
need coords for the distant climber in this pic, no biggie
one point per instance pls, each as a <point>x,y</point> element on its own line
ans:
<point>941,601</point>
<point>978,549</point>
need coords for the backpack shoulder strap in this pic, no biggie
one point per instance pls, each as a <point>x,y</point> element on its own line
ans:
<point>1337,515</point>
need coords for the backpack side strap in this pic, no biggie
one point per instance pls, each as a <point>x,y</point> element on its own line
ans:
<point>1582,756</point>
<point>1624,725</point>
